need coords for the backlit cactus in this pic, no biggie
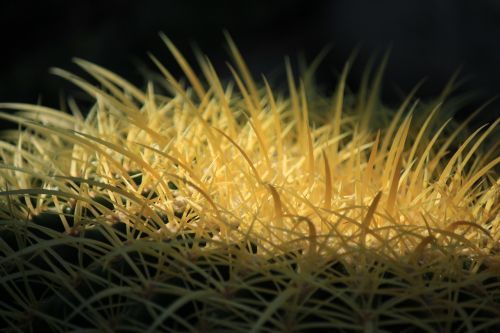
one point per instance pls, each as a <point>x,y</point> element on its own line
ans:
<point>230,207</point>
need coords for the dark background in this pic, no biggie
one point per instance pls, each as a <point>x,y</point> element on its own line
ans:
<point>429,38</point>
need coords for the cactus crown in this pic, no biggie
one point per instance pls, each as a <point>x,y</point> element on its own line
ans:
<point>252,179</point>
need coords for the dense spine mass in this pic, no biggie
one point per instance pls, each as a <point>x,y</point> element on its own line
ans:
<point>230,207</point>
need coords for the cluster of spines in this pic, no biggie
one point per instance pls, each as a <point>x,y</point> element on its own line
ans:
<point>106,278</point>
<point>81,253</point>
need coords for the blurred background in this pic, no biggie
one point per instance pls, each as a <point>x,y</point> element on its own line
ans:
<point>428,39</point>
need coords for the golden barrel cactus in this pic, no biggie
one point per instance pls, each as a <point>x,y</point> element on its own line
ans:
<point>204,205</point>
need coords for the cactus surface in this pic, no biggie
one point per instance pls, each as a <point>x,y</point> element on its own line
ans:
<point>201,205</point>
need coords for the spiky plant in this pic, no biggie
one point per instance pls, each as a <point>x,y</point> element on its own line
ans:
<point>231,207</point>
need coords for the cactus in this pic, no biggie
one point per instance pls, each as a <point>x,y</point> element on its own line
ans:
<point>213,206</point>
